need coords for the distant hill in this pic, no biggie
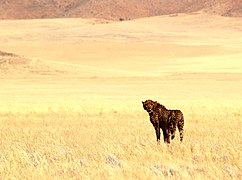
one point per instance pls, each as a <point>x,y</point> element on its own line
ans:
<point>113,9</point>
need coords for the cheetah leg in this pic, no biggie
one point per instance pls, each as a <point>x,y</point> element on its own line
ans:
<point>173,130</point>
<point>166,136</point>
<point>157,130</point>
<point>180,128</point>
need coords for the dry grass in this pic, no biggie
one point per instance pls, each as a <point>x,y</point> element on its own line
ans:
<point>70,141</point>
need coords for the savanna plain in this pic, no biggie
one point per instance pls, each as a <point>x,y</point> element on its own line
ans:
<point>71,93</point>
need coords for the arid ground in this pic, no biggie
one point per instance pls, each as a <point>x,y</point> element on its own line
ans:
<point>71,92</point>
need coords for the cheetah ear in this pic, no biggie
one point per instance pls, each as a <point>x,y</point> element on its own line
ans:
<point>155,103</point>
<point>143,102</point>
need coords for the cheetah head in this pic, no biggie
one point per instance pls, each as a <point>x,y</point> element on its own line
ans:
<point>149,105</point>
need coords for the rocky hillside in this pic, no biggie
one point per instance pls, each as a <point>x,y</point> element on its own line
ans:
<point>113,9</point>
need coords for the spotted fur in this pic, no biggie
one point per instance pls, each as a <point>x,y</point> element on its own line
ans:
<point>164,119</point>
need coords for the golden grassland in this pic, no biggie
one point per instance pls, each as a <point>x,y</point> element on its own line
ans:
<point>71,92</point>
<point>90,142</point>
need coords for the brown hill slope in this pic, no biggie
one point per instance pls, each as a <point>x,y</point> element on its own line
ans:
<point>113,9</point>
<point>13,66</point>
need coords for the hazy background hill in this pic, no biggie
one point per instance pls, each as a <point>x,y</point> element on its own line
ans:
<point>113,9</point>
